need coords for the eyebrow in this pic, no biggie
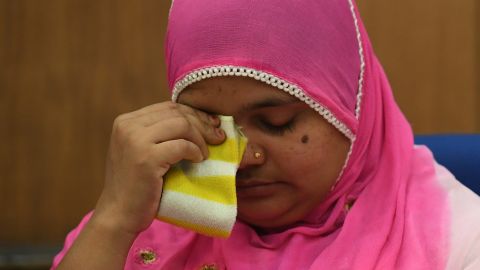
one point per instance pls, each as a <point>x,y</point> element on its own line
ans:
<point>268,102</point>
<point>261,104</point>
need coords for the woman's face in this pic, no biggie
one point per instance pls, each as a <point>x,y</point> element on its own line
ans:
<point>301,153</point>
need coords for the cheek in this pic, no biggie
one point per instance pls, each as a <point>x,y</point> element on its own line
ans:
<point>302,153</point>
<point>312,159</point>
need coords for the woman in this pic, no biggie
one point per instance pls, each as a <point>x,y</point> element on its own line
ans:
<point>330,178</point>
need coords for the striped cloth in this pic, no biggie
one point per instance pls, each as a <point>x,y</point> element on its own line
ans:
<point>201,196</point>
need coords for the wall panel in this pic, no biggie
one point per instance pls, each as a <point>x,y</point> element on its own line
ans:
<point>68,68</point>
<point>428,49</point>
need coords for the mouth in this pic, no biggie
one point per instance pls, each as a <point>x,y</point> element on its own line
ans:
<point>256,188</point>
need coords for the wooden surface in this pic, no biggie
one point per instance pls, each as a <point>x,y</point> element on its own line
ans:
<point>68,67</point>
<point>430,52</point>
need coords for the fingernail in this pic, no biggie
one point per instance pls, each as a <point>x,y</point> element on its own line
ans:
<point>219,132</point>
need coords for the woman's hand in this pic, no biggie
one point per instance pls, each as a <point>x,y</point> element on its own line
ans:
<point>144,145</point>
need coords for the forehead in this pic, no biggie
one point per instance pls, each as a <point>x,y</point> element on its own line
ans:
<point>228,95</point>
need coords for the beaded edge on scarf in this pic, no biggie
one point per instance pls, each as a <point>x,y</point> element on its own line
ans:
<point>281,84</point>
<point>360,89</point>
<point>362,60</point>
<point>171,6</point>
<point>265,77</point>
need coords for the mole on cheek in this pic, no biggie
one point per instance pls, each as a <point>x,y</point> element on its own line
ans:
<point>305,139</point>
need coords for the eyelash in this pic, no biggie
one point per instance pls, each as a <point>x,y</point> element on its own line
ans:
<point>277,129</point>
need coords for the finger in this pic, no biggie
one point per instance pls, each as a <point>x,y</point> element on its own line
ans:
<point>211,133</point>
<point>150,116</point>
<point>175,128</point>
<point>154,108</point>
<point>173,151</point>
<point>207,125</point>
<point>209,119</point>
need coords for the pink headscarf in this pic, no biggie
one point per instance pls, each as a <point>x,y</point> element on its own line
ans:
<point>319,51</point>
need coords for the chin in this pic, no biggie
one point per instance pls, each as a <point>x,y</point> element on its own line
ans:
<point>271,212</point>
<point>265,227</point>
<point>265,219</point>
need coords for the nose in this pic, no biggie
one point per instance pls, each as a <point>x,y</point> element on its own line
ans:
<point>254,155</point>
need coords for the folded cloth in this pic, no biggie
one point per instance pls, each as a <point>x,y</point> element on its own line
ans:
<point>201,196</point>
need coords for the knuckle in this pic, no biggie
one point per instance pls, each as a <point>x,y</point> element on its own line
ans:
<point>120,118</point>
<point>184,125</point>
<point>120,124</point>
<point>121,127</point>
<point>185,147</point>
<point>203,119</point>
<point>125,134</point>
<point>212,133</point>
<point>171,105</point>
<point>202,115</point>
<point>175,113</point>
<point>213,130</point>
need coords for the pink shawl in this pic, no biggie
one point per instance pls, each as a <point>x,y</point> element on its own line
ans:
<point>319,51</point>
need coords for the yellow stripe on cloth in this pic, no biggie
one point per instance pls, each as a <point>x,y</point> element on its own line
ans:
<point>218,188</point>
<point>201,196</point>
<point>226,151</point>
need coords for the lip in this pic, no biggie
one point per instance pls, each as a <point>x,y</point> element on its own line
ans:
<point>256,188</point>
<point>247,183</point>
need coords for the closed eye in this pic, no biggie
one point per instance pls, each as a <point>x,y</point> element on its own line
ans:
<point>277,129</point>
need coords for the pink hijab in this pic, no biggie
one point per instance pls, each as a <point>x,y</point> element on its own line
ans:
<point>387,210</point>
